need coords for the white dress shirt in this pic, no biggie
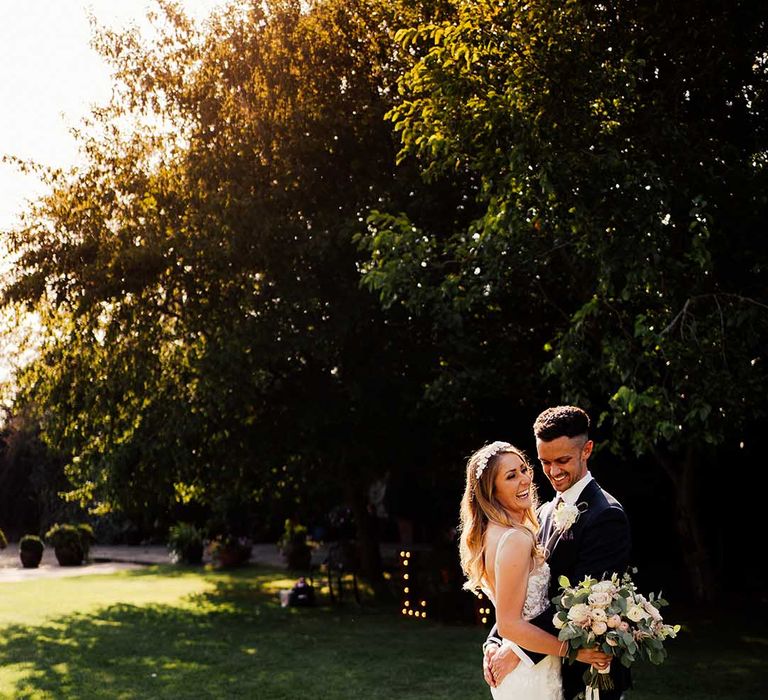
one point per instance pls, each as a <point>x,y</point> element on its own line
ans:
<point>572,493</point>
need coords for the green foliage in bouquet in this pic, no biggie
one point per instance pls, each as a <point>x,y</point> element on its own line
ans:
<point>611,614</point>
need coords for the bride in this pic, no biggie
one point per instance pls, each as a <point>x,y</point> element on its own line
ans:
<point>499,555</point>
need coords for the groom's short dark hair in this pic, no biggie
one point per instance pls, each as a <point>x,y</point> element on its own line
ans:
<point>559,421</point>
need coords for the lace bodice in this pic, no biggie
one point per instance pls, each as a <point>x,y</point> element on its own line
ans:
<point>536,600</point>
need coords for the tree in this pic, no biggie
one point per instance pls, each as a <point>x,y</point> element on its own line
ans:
<point>208,338</point>
<point>619,155</point>
<point>30,478</point>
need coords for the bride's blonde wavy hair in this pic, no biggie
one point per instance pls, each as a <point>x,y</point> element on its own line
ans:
<point>479,507</point>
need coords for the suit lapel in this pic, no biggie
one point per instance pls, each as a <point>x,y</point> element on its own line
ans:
<point>589,493</point>
<point>552,534</point>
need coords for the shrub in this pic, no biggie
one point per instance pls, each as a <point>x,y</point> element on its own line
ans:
<point>185,542</point>
<point>31,543</point>
<point>67,543</point>
<point>294,534</point>
<point>294,545</point>
<point>229,550</point>
<point>62,535</point>
<point>31,551</point>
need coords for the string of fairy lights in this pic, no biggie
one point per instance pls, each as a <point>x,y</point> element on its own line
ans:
<point>484,612</point>
<point>414,605</point>
<point>410,607</point>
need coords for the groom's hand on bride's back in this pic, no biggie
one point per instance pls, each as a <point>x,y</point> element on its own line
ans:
<point>489,651</point>
<point>497,663</point>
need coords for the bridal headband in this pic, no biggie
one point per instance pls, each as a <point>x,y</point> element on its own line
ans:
<point>487,452</point>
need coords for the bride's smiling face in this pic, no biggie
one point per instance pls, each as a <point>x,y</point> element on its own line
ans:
<point>512,482</point>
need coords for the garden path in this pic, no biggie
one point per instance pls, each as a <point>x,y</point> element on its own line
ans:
<point>106,559</point>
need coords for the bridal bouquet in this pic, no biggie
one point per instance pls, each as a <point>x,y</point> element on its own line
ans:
<point>611,614</point>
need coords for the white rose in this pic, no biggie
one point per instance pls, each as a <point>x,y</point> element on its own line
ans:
<point>636,613</point>
<point>599,627</point>
<point>557,622</point>
<point>580,614</point>
<point>565,516</point>
<point>601,598</point>
<point>605,587</point>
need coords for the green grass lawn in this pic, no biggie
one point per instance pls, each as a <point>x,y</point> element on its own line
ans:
<point>167,633</point>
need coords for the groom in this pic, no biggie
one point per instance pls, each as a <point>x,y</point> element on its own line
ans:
<point>597,543</point>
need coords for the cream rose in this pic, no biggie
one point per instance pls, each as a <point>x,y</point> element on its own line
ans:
<point>605,587</point>
<point>557,622</point>
<point>613,621</point>
<point>580,614</point>
<point>565,516</point>
<point>599,627</point>
<point>636,613</point>
<point>601,598</point>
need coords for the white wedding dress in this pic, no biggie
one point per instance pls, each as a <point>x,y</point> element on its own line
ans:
<point>529,681</point>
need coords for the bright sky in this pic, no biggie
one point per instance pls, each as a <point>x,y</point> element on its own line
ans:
<point>49,78</point>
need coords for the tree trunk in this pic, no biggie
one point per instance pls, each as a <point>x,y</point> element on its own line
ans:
<point>683,473</point>
<point>367,542</point>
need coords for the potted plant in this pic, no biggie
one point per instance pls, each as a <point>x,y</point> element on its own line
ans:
<point>87,538</point>
<point>67,544</point>
<point>229,550</point>
<point>31,551</point>
<point>294,545</point>
<point>185,542</point>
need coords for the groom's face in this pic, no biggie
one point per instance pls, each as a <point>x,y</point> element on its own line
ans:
<point>564,459</point>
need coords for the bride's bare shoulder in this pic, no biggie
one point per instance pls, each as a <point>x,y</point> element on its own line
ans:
<point>508,538</point>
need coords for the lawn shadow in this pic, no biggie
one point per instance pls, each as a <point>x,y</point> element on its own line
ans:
<point>236,641</point>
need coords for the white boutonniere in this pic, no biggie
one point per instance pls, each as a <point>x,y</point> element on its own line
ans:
<point>566,515</point>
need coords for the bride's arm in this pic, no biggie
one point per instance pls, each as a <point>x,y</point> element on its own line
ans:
<point>512,567</point>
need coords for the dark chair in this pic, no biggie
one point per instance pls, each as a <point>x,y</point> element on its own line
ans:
<point>342,561</point>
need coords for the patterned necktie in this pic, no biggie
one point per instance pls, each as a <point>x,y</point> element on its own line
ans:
<point>549,530</point>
